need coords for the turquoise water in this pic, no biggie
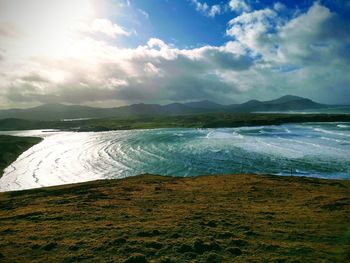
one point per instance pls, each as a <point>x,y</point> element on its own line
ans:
<point>315,149</point>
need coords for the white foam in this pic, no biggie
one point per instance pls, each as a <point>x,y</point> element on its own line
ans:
<point>331,132</point>
<point>343,126</point>
<point>68,157</point>
<point>217,134</point>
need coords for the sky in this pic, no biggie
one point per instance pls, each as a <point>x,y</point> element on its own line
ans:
<point>117,52</point>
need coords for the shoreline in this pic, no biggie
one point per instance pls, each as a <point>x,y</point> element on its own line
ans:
<point>98,181</point>
<point>11,147</point>
<point>92,183</point>
<point>161,219</point>
<point>223,120</point>
<point>276,172</point>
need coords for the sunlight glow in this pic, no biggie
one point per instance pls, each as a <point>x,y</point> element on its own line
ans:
<point>48,27</point>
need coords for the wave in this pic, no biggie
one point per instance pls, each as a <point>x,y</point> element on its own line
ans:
<point>223,135</point>
<point>331,132</point>
<point>64,157</point>
<point>343,126</point>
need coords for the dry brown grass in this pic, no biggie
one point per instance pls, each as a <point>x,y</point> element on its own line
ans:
<point>224,218</point>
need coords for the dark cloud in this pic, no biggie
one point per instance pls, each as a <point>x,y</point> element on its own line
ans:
<point>34,78</point>
<point>228,61</point>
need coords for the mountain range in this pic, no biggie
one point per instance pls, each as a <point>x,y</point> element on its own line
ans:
<point>64,112</point>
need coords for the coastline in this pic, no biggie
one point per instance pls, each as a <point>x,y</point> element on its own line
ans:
<point>152,218</point>
<point>214,120</point>
<point>69,145</point>
<point>11,147</point>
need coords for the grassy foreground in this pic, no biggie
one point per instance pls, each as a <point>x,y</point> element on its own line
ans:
<point>11,147</point>
<point>225,218</point>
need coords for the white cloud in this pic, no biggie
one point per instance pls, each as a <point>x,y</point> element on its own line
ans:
<point>112,83</point>
<point>278,6</point>
<point>152,69</point>
<point>144,13</point>
<point>294,56</point>
<point>239,6</point>
<point>207,10</point>
<point>251,30</point>
<point>299,34</point>
<point>155,42</point>
<point>214,10</point>
<point>203,7</point>
<point>108,28</point>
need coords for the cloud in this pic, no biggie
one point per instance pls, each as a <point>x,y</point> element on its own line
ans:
<point>278,6</point>
<point>253,29</point>
<point>155,42</point>
<point>152,69</point>
<point>305,38</point>
<point>9,30</point>
<point>207,10</point>
<point>239,6</point>
<point>34,78</point>
<point>155,71</point>
<point>108,28</point>
<point>215,10</point>
<point>144,13</point>
<point>310,36</point>
<point>304,55</point>
<point>267,55</point>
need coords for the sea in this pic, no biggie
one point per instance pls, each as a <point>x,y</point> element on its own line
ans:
<point>309,149</point>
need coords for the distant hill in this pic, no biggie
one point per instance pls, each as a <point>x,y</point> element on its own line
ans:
<point>285,99</point>
<point>204,104</point>
<point>61,111</point>
<point>285,103</point>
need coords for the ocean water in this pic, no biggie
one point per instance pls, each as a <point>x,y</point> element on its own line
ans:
<point>311,149</point>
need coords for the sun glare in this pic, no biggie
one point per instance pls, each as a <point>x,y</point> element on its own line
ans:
<point>49,28</point>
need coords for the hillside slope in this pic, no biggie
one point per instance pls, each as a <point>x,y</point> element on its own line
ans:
<point>11,147</point>
<point>50,112</point>
<point>224,218</point>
